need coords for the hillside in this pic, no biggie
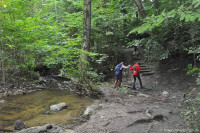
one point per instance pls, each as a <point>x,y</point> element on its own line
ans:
<point>147,110</point>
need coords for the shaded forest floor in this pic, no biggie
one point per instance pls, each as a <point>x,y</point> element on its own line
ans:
<point>146,110</point>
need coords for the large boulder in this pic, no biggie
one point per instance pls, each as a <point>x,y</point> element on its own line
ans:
<point>2,101</point>
<point>20,92</point>
<point>88,112</point>
<point>37,129</point>
<point>90,109</point>
<point>67,131</point>
<point>58,107</point>
<point>19,124</point>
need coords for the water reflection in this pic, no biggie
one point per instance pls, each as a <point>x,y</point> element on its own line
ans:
<point>33,108</point>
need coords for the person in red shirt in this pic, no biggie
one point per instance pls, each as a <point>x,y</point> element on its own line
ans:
<point>136,73</point>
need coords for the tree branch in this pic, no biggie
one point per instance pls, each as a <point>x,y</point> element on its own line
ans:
<point>140,8</point>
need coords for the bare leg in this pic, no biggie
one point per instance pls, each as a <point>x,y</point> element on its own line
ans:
<point>120,80</point>
<point>115,83</point>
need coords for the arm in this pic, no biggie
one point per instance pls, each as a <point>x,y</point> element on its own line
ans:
<point>131,67</point>
<point>121,68</point>
<point>126,67</point>
<point>139,70</point>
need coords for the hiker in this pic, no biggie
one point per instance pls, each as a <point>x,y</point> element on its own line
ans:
<point>136,73</point>
<point>136,49</point>
<point>118,73</point>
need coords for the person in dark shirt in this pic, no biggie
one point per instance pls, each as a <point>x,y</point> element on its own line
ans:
<point>118,73</point>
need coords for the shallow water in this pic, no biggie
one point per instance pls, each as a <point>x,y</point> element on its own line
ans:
<point>33,108</point>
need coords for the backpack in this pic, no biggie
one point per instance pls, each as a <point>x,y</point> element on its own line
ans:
<point>117,69</point>
<point>135,71</point>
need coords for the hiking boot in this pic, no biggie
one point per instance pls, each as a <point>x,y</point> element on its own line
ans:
<point>133,88</point>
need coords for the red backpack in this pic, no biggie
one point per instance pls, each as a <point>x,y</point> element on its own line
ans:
<point>135,71</point>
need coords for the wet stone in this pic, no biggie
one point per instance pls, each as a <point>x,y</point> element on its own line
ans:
<point>2,101</point>
<point>58,107</point>
<point>19,124</point>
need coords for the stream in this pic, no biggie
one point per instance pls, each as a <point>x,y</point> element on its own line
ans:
<point>33,108</point>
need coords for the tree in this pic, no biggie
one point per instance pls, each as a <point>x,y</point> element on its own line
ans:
<point>87,25</point>
<point>86,32</point>
<point>140,8</point>
<point>2,58</point>
<point>2,50</point>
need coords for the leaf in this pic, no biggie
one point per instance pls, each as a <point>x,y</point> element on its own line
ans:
<point>197,4</point>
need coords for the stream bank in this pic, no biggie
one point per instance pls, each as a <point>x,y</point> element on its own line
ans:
<point>155,109</point>
<point>147,110</point>
<point>31,103</point>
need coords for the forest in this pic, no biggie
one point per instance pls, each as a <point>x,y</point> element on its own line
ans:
<point>83,39</point>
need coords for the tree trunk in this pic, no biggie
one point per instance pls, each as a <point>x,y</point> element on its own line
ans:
<point>86,33</point>
<point>2,68</point>
<point>156,5</point>
<point>2,59</point>
<point>140,8</point>
<point>87,26</point>
<point>194,55</point>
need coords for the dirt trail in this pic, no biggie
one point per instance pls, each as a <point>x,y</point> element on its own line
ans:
<point>145,110</point>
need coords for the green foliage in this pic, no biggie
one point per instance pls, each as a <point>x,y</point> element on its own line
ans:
<point>42,32</point>
<point>191,114</point>
<point>175,27</point>
<point>122,89</point>
<point>134,43</point>
<point>50,33</point>
<point>192,70</point>
<point>198,79</point>
<point>180,13</point>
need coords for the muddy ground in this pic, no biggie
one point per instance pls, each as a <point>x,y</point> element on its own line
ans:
<point>145,110</point>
